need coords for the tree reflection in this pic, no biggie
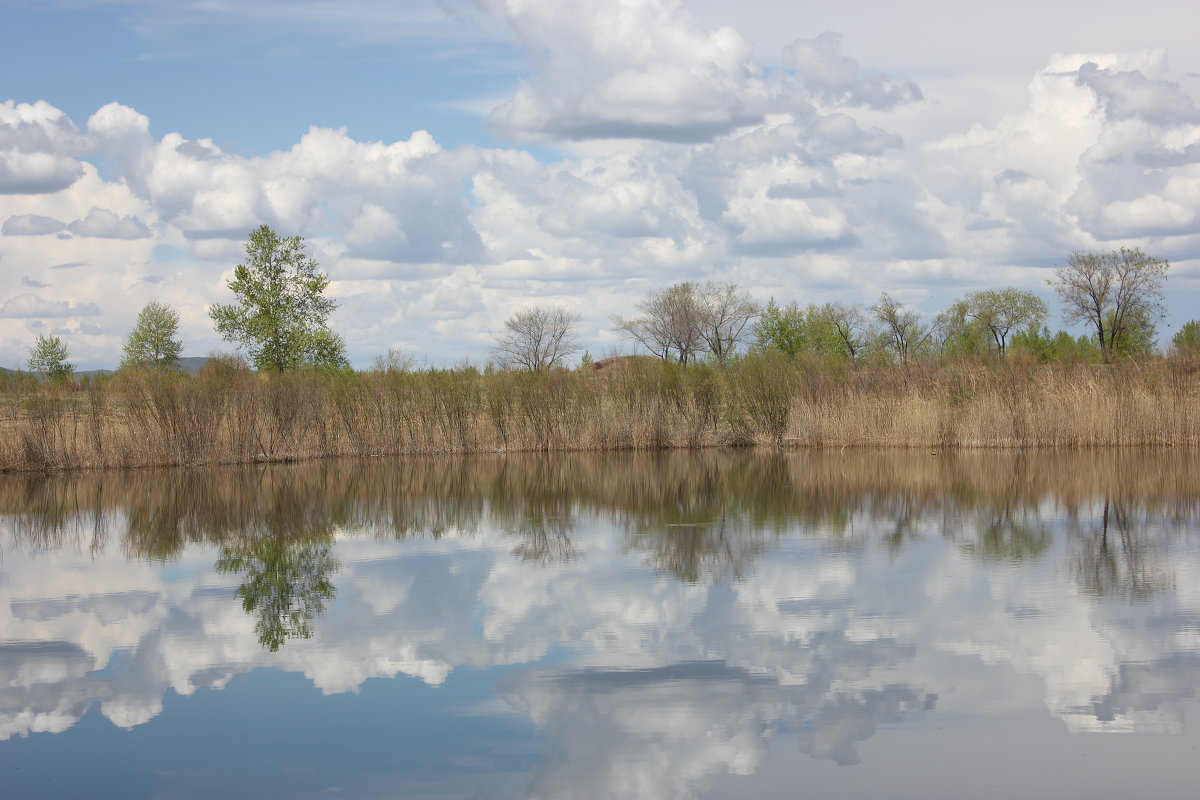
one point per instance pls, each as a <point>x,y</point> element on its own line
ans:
<point>1008,534</point>
<point>1117,558</point>
<point>546,540</point>
<point>696,552</point>
<point>286,585</point>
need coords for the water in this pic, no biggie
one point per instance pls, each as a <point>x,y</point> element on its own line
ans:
<point>711,624</point>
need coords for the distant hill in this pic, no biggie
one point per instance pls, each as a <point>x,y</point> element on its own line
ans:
<point>191,365</point>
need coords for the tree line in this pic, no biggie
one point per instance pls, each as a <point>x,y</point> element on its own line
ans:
<point>1118,295</point>
<point>279,318</point>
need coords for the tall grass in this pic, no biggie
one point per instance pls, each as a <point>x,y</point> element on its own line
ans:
<point>231,415</point>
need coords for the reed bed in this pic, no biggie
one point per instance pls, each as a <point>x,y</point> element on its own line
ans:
<point>229,415</point>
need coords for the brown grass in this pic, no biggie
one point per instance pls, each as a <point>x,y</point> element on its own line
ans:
<point>235,416</point>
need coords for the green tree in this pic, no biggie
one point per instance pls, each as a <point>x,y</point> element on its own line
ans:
<point>153,342</point>
<point>1055,347</point>
<point>1187,338</point>
<point>287,583</point>
<point>280,313</point>
<point>959,334</point>
<point>828,331</point>
<point>1141,336</point>
<point>849,324</point>
<point>1111,292</point>
<point>781,329</point>
<point>984,320</point>
<point>48,357</point>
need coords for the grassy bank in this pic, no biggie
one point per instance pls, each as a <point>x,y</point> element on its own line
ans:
<point>229,415</point>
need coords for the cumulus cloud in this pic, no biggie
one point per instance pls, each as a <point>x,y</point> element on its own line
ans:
<point>835,79</point>
<point>1131,95</point>
<point>646,69</point>
<point>640,69</point>
<point>32,306</point>
<point>104,224</point>
<point>686,159</point>
<point>38,145</point>
<point>31,225</point>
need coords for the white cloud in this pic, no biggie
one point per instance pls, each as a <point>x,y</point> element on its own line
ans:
<point>31,225</point>
<point>791,178</point>
<point>32,306</point>
<point>38,145</point>
<point>104,224</point>
<point>640,69</point>
<point>835,79</point>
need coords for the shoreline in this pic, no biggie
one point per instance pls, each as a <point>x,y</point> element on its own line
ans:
<point>144,420</point>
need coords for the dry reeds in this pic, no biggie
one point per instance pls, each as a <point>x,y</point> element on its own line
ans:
<point>230,415</point>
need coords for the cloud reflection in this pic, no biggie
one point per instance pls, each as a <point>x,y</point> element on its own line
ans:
<point>674,616</point>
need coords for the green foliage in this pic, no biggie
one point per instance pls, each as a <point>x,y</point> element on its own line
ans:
<point>287,584</point>
<point>1048,347</point>
<point>982,322</point>
<point>813,330</point>
<point>1140,337</point>
<point>1187,338</point>
<point>781,329</point>
<point>48,357</point>
<point>152,343</point>
<point>960,334</point>
<point>326,351</point>
<point>280,313</point>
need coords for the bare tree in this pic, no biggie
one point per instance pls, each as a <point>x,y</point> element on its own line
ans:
<point>682,321</point>
<point>724,318</point>
<point>1110,292</point>
<point>669,325</point>
<point>903,331</point>
<point>537,338</point>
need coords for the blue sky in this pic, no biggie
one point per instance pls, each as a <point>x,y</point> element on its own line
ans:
<point>451,161</point>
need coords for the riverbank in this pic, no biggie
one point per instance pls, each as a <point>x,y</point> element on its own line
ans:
<point>226,416</point>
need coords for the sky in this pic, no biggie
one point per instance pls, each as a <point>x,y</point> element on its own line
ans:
<point>450,162</point>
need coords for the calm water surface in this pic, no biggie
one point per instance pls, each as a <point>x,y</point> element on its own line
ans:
<point>713,624</point>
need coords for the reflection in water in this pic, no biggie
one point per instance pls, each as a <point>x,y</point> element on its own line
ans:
<point>287,583</point>
<point>662,619</point>
<point>1118,555</point>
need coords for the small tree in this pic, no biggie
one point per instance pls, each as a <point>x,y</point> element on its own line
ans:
<point>48,357</point>
<point>1111,292</point>
<point>152,341</point>
<point>537,338</point>
<point>992,314</point>
<point>683,321</point>
<point>280,313</point>
<point>1187,338</point>
<point>903,332</point>
<point>723,317</point>
<point>669,325</point>
<point>850,325</point>
<point>794,331</point>
<point>782,329</point>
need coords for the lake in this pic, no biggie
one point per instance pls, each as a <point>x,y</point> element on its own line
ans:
<point>741,624</point>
